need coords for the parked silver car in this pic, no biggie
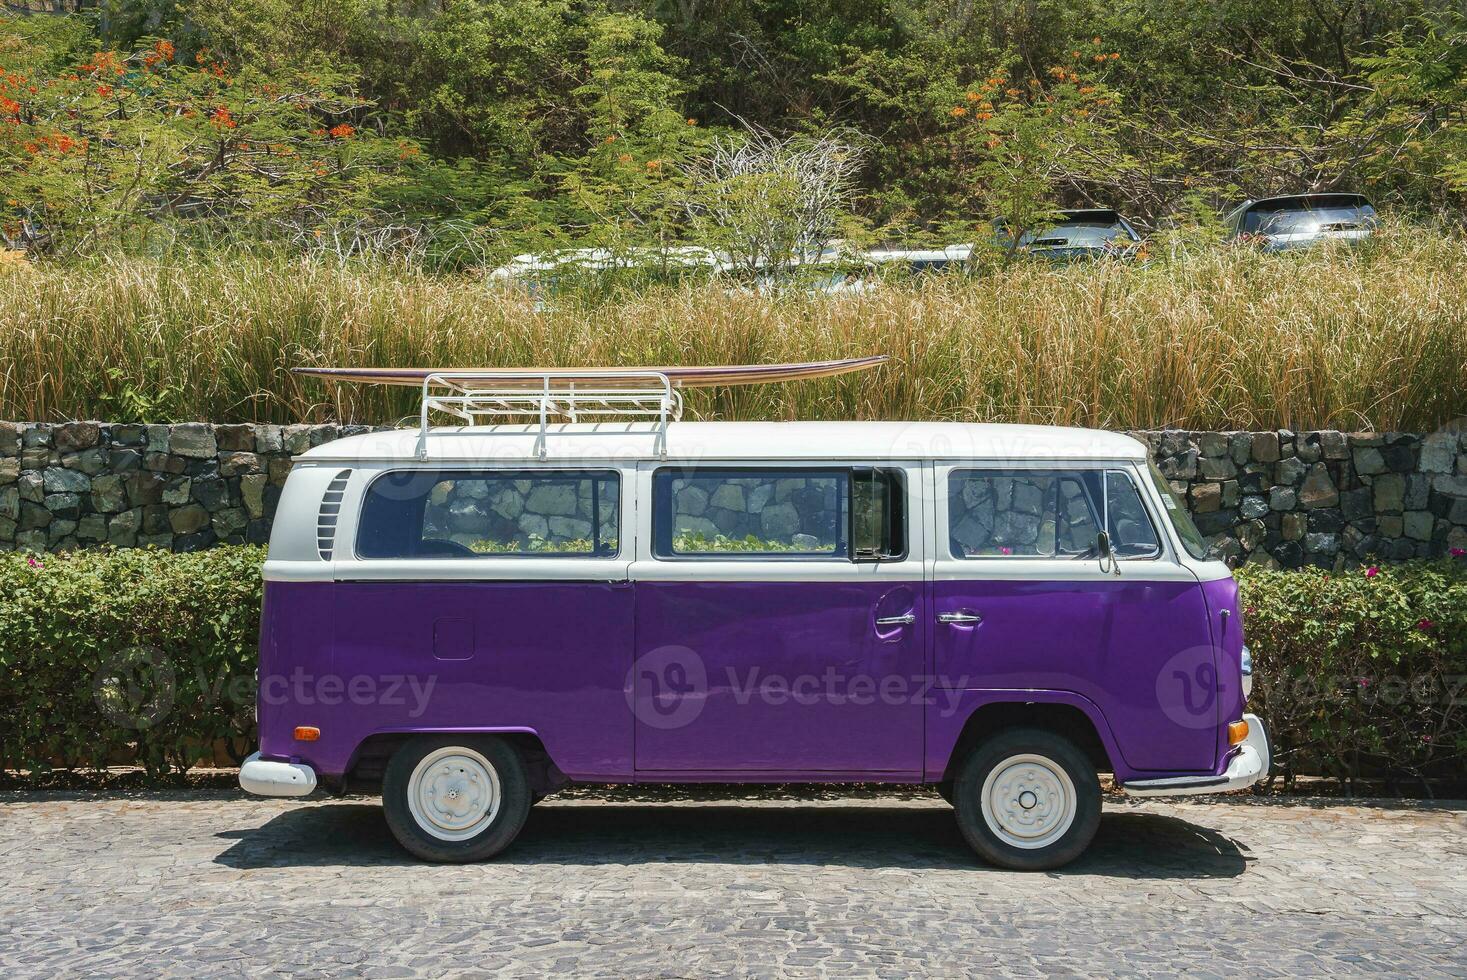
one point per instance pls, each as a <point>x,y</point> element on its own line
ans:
<point>1084,233</point>
<point>1296,220</point>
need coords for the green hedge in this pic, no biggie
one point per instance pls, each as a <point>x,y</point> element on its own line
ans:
<point>1363,673</point>
<point>149,657</point>
<point>134,655</point>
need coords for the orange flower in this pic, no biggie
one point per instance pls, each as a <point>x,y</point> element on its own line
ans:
<point>625,158</point>
<point>692,121</point>
<point>342,131</point>
<point>105,91</point>
<point>1012,93</point>
<point>1075,55</point>
<point>164,49</point>
<point>958,112</point>
<point>985,116</point>
<point>610,139</point>
<point>222,119</point>
<point>973,96</point>
<point>1115,56</point>
<point>1096,42</point>
<point>654,164</point>
<point>1086,89</point>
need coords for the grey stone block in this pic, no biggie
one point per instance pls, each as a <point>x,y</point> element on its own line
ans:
<point>1266,447</point>
<point>1438,452</point>
<point>1369,461</point>
<point>194,440</point>
<point>72,436</point>
<point>58,480</point>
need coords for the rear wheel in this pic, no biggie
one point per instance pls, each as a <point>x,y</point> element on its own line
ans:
<point>455,798</point>
<point>1027,799</point>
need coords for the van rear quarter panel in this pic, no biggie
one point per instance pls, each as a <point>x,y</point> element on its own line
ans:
<point>549,657</point>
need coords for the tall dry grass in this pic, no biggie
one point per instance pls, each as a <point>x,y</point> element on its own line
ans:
<point>1366,338</point>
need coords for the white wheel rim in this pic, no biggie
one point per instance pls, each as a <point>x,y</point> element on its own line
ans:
<point>1028,801</point>
<point>453,794</point>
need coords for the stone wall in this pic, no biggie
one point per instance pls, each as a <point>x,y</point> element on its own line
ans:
<point>1322,498</point>
<point>1326,498</point>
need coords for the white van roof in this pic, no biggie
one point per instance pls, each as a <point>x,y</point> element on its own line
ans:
<point>623,441</point>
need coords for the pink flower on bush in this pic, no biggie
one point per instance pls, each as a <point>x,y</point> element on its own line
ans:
<point>1363,681</point>
<point>31,561</point>
<point>1459,552</point>
<point>1426,739</point>
<point>1006,550</point>
<point>1424,624</point>
<point>1372,572</point>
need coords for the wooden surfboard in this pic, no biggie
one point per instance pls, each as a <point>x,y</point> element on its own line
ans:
<point>700,376</point>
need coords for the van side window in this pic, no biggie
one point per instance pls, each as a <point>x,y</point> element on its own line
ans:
<point>783,512</point>
<point>1046,514</point>
<point>810,513</point>
<point>490,514</point>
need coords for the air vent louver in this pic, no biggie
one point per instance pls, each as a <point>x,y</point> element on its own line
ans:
<point>330,510</point>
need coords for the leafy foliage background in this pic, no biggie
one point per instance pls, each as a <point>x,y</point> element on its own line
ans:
<point>525,124</point>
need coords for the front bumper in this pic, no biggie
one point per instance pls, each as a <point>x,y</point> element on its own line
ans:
<point>1248,766</point>
<point>265,777</point>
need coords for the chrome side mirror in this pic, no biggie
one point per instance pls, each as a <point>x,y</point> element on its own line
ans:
<point>1108,561</point>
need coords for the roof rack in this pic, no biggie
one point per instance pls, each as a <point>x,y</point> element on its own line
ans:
<point>551,396</point>
<point>575,394</point>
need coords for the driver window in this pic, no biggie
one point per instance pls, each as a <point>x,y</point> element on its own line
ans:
<point>1046,514</point>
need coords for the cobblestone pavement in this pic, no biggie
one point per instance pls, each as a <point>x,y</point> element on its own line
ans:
<point>206,883</point>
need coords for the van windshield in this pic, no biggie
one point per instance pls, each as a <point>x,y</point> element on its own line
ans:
<point>1176,512</point>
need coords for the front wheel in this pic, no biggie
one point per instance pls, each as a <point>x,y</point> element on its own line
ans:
<point>455,798</point>
<point>1027,799</point>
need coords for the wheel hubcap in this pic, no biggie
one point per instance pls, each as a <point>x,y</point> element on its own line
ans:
<point>1028,801</point>
<point>454,793</point>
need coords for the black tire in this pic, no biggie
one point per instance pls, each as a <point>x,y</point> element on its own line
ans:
<point>945,790</point>
<point>502,825</point>
<point>1043,755</point>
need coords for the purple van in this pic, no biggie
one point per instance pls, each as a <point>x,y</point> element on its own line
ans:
<point>468,619</point>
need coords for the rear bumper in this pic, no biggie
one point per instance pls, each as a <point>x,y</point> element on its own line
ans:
<point>265,777</point>
<point>1248,766</point>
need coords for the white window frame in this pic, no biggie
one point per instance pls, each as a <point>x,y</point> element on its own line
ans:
<point>648,566</point>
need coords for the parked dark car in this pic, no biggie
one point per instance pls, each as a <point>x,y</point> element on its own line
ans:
<point>1296,220</point>
<point>1086,233</point>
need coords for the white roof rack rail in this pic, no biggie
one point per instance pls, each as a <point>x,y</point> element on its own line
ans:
<point>577,395</point>
<point>574,394</point>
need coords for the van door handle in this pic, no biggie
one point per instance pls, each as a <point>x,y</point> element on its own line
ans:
<point>959,617</point>
<point>905,619</point>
